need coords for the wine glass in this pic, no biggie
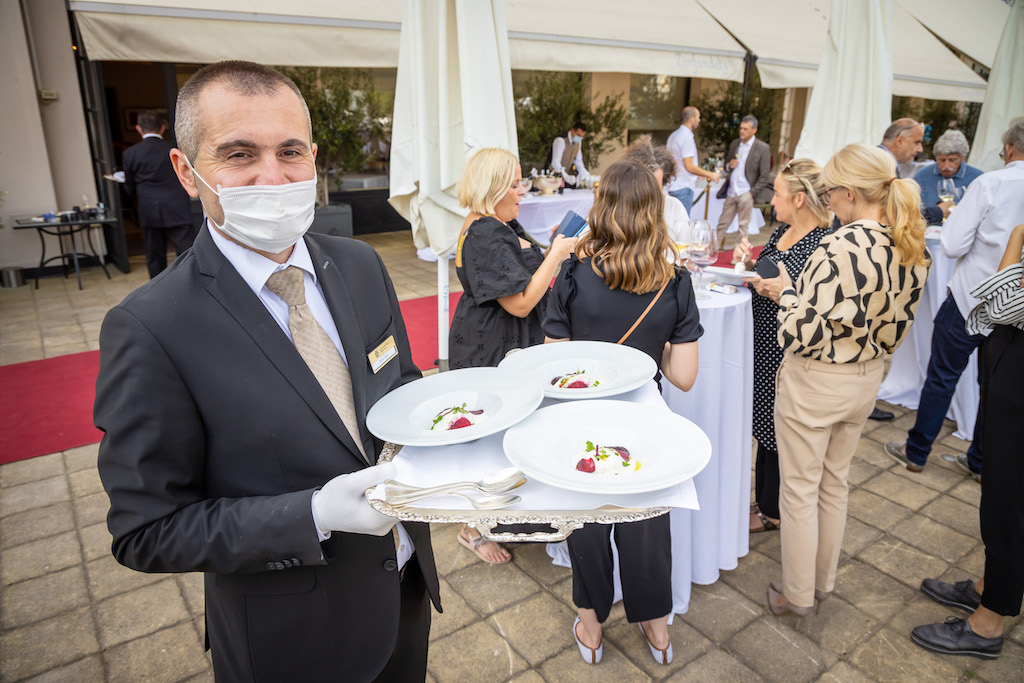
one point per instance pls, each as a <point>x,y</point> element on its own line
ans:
<point>703,252</point>
<point>947,190</point>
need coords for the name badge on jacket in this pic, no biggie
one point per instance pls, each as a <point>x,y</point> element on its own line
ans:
<point>380,356</point>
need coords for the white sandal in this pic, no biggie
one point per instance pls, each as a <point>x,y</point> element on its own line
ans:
<point>589,654</point>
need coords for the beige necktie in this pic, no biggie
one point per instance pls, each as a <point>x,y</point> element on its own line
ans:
<point>317,349</point>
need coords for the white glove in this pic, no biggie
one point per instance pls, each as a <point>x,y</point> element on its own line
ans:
<point>340,506</point>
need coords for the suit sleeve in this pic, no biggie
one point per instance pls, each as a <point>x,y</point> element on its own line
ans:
<point>152,462</point>
<point>764,170</point>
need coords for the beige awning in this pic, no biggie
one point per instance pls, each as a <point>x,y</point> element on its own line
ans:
<point>971,27</point>
<point>351,33</point>
<point>788,39</point>
<point>675,38</point>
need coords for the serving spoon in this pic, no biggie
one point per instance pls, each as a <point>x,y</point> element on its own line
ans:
<point>495,482</point>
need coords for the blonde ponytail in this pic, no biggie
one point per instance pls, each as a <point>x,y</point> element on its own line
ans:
<point>871,173</point>
<point>903,214</point>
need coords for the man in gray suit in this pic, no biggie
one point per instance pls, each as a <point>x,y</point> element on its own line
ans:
<point>750,185</point>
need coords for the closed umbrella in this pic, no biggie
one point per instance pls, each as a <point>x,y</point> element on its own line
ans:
<point>453,96</point>
<point>852,96</point>
<point>1004,97</point>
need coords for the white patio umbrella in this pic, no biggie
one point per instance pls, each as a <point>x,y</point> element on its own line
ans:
<point>453,96</point>
<point>1004,97</point>
<point>852,96</point>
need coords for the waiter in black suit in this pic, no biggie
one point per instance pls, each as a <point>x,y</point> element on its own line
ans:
<point>228,448</point>
<point>163,206</point>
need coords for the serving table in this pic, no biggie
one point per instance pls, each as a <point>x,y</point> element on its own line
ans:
<point>713,538</point>
<point>909,365</point>
<point>62,229</point>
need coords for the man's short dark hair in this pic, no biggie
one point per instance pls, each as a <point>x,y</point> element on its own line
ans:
<point>245,78</point>
<point>579,125</point>
<point>689,113</point>
<point>150,121</point>
<point>751,119</point>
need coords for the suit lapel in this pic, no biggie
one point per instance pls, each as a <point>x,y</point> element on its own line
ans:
<point>342,307</point>
<point>232,292</point>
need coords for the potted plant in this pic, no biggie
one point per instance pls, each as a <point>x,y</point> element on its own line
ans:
<point>344,112</point>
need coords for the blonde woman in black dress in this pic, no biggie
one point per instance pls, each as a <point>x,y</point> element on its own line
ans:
<point>621,269</point>
<point>805,220</point>
<point>504,281</point>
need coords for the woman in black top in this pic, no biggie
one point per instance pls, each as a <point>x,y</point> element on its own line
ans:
<point>623,268</point>
<point>805,220</point>
<point>504,280</point>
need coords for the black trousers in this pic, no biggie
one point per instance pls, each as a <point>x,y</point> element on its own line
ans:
<point>766,481</point>
<point>154,241</point>
<point>645,568</point>
<point>409,661</point>
<point>1002,483</point>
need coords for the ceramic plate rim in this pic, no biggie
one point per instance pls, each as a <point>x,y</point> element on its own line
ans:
<point>559,349</point>
<point>495,424</point>
<point>607,485</point>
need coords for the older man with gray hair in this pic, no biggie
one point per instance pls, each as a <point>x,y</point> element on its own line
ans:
<point>950,153</point>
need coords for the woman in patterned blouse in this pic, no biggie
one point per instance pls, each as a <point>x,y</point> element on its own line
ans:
<point>805,221</point>
<point>850,307</point>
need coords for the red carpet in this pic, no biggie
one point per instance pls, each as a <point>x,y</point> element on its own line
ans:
<point>725,257</point>
<point>46,405</point>
<point>421,323</point>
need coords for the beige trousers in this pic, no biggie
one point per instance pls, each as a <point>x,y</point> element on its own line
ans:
<point>820,411</point>
<point>742,206</point>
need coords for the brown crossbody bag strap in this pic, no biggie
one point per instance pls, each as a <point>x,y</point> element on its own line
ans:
<point>644,314</point>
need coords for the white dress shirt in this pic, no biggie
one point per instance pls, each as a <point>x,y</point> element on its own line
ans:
<point>256,269</point>
<point>978,229</point>
<point>558,149</point>
<point>738,183</point>
<point>676,218</point>
<point>682,145</point>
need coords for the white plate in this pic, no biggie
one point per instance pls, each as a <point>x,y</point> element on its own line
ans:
<point>404,416</point>
<point>548,444</point>
<point>618,368</point>
<point>728,276</point>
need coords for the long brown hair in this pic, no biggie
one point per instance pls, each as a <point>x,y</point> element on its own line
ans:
<point>871,173</point>
<point>628,238</point>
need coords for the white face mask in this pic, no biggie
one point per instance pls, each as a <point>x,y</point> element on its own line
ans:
<point>267,218</point>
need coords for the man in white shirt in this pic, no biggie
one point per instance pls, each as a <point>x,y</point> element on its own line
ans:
<point>567,151</point>
<point>684,148</point>
<point>975,235</point>
<point>749,174</point>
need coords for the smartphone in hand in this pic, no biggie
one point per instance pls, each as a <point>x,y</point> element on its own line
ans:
<point>571,226</point>
<point>766,268</point>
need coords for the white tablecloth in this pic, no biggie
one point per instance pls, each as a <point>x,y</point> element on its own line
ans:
<point>538,213</point>
<point>714,210</point>
<point>909,366</point>
<point>711,539</point>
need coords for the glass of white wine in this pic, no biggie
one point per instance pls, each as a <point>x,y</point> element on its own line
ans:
<point>947,190</point>
<point>703,252</point>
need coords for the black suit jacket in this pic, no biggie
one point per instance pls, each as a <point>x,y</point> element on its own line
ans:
<point>217,435</point>
<point>149,175</point>
<point>758,171</point>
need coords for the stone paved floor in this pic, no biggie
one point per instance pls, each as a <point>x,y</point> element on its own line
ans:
<point>69,612</point>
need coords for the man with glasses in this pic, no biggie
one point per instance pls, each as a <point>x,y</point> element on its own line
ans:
<point>974,235</point>
<point>950,152</point>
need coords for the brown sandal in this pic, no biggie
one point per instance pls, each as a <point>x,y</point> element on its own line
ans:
<point>766,524</point>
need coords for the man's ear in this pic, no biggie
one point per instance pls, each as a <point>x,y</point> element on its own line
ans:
<point>139,129</point>
<point>185,175</point>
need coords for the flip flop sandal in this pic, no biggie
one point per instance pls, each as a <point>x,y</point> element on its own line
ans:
<point>766,524</point>
<point>474,544</point>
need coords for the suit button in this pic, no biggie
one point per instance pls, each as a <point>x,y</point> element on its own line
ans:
<point>270,566</point>
<point>295,562</point>
<point>287,563</point>
<point>390,565</point>
<point>278,565</point>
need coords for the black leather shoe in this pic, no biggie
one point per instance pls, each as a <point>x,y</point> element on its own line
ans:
<point>955,637</point>
<point>960,594</point>
<point>881,415</point>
